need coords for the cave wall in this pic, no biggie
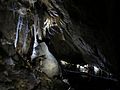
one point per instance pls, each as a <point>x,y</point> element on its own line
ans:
<point>94,21</point>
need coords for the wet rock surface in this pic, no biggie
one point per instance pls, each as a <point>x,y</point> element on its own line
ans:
<point>18,72</point>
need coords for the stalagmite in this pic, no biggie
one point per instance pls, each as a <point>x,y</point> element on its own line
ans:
<point>49,64</point>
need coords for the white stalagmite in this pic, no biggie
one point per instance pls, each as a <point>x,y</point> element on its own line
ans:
<point>49,64</point>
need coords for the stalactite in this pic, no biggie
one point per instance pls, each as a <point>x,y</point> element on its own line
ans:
<point>19,27</point>
<point>46,47</point>
<point>25,37</point>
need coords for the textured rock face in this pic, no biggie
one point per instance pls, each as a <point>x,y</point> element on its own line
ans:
<point>63,25</point>
<point>55,25</point>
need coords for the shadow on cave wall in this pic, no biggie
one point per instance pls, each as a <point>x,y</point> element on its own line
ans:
<point>95,22</point>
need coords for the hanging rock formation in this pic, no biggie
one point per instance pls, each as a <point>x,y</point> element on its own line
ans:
<point>43,47</point>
